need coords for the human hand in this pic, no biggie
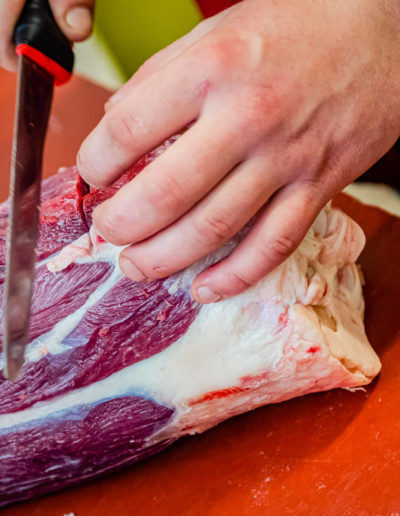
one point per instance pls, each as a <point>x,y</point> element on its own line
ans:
<point>74,17</point>
<point>290,101</point>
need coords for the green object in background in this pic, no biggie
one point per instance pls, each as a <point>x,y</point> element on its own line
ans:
<point>136,29</point>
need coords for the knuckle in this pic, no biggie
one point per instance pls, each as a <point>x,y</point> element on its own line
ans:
<point>220,55</point>
<point>313,191</point>
<point>166,196</point>
<point>123,128</point>
<point>263,106</point>
<point>277,249</point>
<point>239,282</point>
<point>213,230</point>
<point>109,224</point>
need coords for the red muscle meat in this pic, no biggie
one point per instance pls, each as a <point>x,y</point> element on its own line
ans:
<point>117,370</point>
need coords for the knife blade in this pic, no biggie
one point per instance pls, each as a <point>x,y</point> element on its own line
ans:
<point>45,59</point>
<point>34,95</point>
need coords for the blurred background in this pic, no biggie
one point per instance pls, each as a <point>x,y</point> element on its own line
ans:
<point>128,32</point>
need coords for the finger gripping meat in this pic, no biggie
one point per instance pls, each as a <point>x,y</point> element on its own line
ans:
<point>117,370</point>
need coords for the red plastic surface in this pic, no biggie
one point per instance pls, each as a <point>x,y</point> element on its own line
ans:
<point>334,453</point>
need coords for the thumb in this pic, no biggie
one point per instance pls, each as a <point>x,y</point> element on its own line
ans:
<point>9,12</point>
<point>74,17</point>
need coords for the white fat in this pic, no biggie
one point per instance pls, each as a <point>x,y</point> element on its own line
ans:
<point>86,249</point>
<point>200,361</point>
<point>80,249</point>
<point>226,343</point>
<point>298,330</point>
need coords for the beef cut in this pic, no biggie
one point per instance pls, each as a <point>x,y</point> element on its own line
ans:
<point>117,370</point>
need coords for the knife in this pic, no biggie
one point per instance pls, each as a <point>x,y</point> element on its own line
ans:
<point>45,59</point>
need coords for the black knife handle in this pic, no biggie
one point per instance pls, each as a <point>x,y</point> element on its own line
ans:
<point>38,37</point>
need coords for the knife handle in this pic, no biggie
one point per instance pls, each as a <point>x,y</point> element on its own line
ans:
<point>38,37</point>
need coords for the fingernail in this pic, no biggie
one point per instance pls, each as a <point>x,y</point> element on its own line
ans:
<point>206,295</point>
<point>130,269</point>
<point>79,19</point>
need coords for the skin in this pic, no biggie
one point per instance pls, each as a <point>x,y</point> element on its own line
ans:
<point>74,17</point>
<point>288,101</point>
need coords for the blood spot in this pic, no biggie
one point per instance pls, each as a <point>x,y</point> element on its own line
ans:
<point>223,393</point>
<point>283,319</point>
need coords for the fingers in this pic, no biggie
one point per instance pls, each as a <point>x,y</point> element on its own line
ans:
<point>205,228</point>
<point>9,13</point>
<point>276,234</point>
<point>74,17</point>
<point>165,55</point>
<point>152,111</point>
<point>161,58</point>
<point>170,185</point>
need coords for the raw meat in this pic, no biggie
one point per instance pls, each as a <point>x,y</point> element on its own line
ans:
<point>118,370</point>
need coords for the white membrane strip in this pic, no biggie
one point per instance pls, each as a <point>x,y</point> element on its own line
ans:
<point>51,342</point>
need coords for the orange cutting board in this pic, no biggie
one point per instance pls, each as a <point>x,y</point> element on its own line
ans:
<point>334,453</point>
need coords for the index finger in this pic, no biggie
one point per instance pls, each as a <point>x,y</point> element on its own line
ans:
<point>148,114</point>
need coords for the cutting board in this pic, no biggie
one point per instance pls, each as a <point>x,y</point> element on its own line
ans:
<point>334,453</point>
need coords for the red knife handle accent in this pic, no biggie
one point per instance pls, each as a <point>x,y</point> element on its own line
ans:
<point>59,73</point>
<point>38,37</point>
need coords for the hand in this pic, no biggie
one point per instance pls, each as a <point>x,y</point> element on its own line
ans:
<point>74,17</point>
<point>290,101</point>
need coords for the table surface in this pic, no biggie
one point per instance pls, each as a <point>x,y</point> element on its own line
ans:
<point>333,453</point>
